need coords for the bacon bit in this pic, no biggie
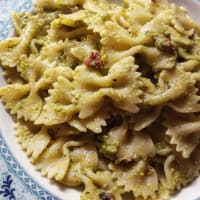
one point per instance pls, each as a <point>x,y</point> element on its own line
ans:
<point>164,43</point>
<point>106,196</point>
<point>72,9</point>
<point>93,59</point>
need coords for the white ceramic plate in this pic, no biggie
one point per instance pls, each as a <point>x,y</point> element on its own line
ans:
<point>18,179</point>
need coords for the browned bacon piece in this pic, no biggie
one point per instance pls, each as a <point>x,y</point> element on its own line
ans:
<point>93,60</point>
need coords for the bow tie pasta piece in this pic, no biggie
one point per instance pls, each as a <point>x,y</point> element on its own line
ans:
<point>59,31</point>
<point>119,85</point>
<point>57,4</point>
<point>99,6</point>
<point>22,101</point>
<point>32,68</point>
<point>90,191</point>
<point>12,76</point>
<point>116,37</point>
<point>136,16</point>
<point>144,118</point>
<point>100,178</point>
<point>138,145</point>
<point>55,160</point>
<point>187,104</point>
<point>141,179</point>
<point>10,57</point>
<point>51,75</point>
<point>83,48</point>
<point>106,96</point>
<point>179,136</point>
<point>58,107</point>
<point>83,159</point>
<point>8,43</point>
<point>33,144</point>
<point>161,141</point>
<point>113,56</point>
<point>86,156</point>
<point>109,144</point>
<point>94,123</point>
<point>52,51</point>
<point>74,19</point>
<point>178,174</point>
<point>30,107</point>
<point>171,85</point>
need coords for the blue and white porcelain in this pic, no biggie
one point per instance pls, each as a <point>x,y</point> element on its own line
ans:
<point>18,178</point>
<point>15,183</point>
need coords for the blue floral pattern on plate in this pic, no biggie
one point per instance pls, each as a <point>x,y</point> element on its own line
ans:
<point>6,188</point>
<point>15,184</point>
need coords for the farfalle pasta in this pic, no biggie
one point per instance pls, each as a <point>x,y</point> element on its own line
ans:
<point>107,96</point>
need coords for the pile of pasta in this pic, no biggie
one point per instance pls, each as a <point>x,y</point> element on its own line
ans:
<point>106,96</point>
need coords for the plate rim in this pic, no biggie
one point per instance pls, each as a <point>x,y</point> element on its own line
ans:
<point>6,152</point>
<point>16,168</point>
